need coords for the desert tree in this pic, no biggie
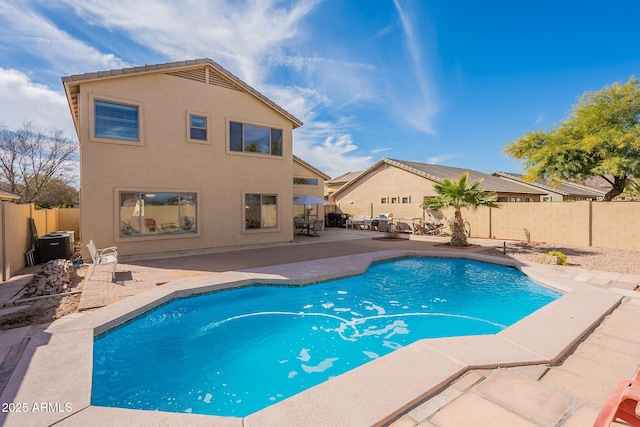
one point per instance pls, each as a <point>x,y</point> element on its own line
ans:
<point>601,137</point>
<point>31,160</point>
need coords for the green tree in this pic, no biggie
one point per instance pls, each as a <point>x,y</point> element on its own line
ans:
<point>460,194</point>
<point>600,138</point>
<point>632,189</point>
<point>57,193</point>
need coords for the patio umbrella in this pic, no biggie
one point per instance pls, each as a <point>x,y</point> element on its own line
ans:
<point>308,199</point>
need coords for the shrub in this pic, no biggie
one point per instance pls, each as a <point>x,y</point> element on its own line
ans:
<point>562,258</point>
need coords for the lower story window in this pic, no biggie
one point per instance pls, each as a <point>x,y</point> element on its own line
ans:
<point>261,211</point>
<point>150,214</point>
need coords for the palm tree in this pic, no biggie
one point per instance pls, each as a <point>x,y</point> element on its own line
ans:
<point>458,195</point>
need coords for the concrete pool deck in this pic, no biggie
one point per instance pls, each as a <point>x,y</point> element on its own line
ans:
<point>505,379</point>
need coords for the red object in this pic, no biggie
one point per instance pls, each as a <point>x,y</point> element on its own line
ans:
<point>150,223</point>
<point>622,404</point>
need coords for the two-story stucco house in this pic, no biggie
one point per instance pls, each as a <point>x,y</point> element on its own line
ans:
<point>181,156</point>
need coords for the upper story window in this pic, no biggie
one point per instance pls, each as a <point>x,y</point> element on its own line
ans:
<point>255,139</point>
<point>305,181</point>
<point>116,121</point>
<point>197,127</point>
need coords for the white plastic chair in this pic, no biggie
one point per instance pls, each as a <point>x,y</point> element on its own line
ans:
<point>104,256</point>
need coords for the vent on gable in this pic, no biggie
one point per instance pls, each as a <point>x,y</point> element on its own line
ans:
<point>217,80</point>
<point>197,74</point>
<point>201,74</point>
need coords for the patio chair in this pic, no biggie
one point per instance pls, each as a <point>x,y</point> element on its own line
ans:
<point>106,256</point>
<point>402,227</point>
<point>357,222</point>
<point>317,226</point>
<point>622,404</point>
<point>299,224</point>
<point>366,222</point>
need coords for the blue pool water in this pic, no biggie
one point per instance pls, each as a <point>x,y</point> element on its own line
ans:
<point>235,352</point>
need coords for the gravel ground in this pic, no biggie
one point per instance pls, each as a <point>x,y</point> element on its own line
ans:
<point>604,259</point>
<point>45,310</point>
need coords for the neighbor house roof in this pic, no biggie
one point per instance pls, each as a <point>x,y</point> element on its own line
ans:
<point>597,183</point>
<point>439,172</point>
<point>203,70</point>
<point>311,168</point>
<point>344,178</point>
<point>6,196</point>
<point>564,188</point>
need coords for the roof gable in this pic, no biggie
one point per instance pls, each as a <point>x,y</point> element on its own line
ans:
<point>204,70</point>
<point>345,177</point>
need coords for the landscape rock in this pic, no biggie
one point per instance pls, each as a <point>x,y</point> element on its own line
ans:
<point>53,278</point>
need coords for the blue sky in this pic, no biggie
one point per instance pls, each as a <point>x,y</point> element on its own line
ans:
<point>448,82</point>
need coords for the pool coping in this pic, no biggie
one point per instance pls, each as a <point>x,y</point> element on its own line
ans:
<point>56,366</point>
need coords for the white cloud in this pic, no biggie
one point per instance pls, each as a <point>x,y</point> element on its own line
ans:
<point>440,158</point>
<point>419,107</point>
<point>24,101</point>
<point>329,147</point>
<point>539,118</point>
<point>239,35</point>
<point>343,83</point>
<point>381,150</point>
<point>56,52</point>
<point>332,155</point>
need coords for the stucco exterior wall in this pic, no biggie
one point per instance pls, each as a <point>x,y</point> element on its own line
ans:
<point>301,171</point>
<point>299,190</point>
<point>164,161</point>
<point>387,182</point>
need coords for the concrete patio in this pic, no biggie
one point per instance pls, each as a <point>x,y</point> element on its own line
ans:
<point>547,391</point>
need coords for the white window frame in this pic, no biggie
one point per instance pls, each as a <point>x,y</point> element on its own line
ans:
<point>207,129</point>
<point>128,102</point>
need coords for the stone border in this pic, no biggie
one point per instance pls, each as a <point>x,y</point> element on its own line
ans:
<point>372,394</point>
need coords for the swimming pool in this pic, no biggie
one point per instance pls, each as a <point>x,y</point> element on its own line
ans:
<point>235,352</point>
